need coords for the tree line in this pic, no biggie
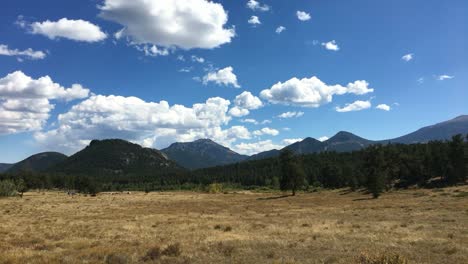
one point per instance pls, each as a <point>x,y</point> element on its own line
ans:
<point>377,168</point>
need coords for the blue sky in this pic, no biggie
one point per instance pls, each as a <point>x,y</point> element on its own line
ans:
<point>325,88</point>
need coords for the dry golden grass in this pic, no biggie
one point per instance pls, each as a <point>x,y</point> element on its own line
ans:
<point>421,226</point>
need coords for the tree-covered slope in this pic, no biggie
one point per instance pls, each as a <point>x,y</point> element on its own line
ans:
<point>116,157</point>
<point>38,162</point>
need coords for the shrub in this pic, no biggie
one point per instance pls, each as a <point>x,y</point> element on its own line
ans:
<point>215,188</point>
<point>7,188</point>
<point>116,259</point>
<point>172,250</point>
<point>365,258</point>
<point>153,253</point>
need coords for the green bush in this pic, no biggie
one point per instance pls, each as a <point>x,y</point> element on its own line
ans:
<point>215,188</point>
<point>7,188</point>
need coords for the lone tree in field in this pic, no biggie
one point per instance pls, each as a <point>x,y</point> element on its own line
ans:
<point>292,175</point>
<point>376,170</point>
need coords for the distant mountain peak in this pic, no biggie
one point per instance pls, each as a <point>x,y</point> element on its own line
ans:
<point>344,136</point>
<point>201,153</point>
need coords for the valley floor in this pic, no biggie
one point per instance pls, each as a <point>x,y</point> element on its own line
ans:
<point>422,226</point>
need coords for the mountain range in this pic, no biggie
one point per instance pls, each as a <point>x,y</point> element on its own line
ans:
<point>117,157</point>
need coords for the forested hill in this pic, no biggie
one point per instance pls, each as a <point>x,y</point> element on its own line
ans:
<point>37,163</point>
<point>441,162</point>
<point>115,157</point>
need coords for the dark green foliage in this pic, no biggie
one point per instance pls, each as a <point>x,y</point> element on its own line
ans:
<point>119,166</point>
<point>292,174</point>
<point>37,163</point>
<point>457,167</point>
<point>7,188</point>
<point>375,169</point>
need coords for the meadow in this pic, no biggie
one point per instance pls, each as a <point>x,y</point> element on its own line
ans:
<point>407,226</point>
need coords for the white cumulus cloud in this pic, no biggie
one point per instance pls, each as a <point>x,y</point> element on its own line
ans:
<point>78,30</point>
<point>266,131</point>
<point>303,16</point>
<point>311,92</point>
<point>407,57</point>
<point>256,147</point>
<point>356,106</point>
<point>289,141</point>
<point>27,53</point>
<point>245,102</point>
<point>133,119</point>
<point>331,45</point>
<point>224,76</point>
<point>280,29</point>
<point>383,107</point>
<point>170,23</point>
<point>322,139</point>
<point>25,102</point>
<point>254,20</point>
<point>255,5</point>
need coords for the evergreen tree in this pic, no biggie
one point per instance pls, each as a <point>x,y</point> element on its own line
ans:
<point>375,170</point>
<point>292,175</point>
<point>457,160</point>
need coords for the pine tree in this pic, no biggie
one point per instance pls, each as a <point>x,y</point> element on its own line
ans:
<point>375,170</point>
<point>457,160</point>
<point>292,174</point>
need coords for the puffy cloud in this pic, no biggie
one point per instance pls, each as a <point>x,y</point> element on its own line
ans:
<point>224,76</point>
<point>248,101</point>
<point>280,29</point>
<point>356,106</point>
<point>444,77</point>
<point>254,20</point>
<point>289,141</point>
<point>148,123</point>
<point>408,57</point>
<point>266,131</point>
<point>238,112</point>
<point>198,59</point>
<point>27,53</point>
<point>310,92</point>
<point>331,45</point>
<point>303,16</point>
<point>256,147</point>
<point>322,139</point>
<point>24,102</point>
<point>255,5</point>
<point>383,107</point>
<point>78,30</point>
<point>291,114</point>
<point>245,102</point>
<point>170,23</point>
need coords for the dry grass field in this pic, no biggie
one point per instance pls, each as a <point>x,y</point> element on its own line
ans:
<point>421,226</point>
